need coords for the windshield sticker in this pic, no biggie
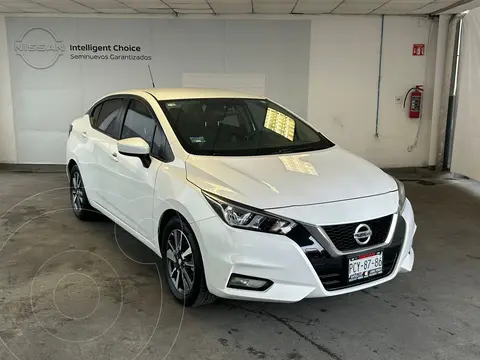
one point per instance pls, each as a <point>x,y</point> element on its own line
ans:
<point>197,139</point>
<point>171,104</point>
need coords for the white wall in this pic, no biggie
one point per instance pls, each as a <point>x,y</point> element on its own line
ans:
<point>7,132</point>
<point>325,69</point>
<point>344,65</point>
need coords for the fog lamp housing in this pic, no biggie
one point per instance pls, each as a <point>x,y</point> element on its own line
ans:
<point>243,282</point>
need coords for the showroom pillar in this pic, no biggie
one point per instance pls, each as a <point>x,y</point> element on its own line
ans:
<point>440,58</point>
<point>8,153</point>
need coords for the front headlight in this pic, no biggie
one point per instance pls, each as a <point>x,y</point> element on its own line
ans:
<point>401,196</point>
<point>244,217</point>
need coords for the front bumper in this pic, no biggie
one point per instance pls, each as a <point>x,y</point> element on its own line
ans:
<point>227,250</point>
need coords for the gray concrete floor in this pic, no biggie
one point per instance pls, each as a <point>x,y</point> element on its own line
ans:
<point>74,290</point>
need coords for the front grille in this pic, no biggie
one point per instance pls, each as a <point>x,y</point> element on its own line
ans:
<point>342,235</point>
<point>333,271</point>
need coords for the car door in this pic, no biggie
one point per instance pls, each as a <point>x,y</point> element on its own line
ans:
<point>104,137</point>
<point>137,182</point>
<point>85,155</point>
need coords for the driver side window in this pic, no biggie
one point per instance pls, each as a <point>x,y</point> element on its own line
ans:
<point>139,122</point>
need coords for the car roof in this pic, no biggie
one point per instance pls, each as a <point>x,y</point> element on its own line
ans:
<point>189,93</point>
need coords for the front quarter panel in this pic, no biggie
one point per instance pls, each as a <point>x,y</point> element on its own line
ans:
<point>174,192</point>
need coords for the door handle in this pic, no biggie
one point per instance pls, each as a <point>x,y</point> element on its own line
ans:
<point>114,156</point>
<point>84,134</point>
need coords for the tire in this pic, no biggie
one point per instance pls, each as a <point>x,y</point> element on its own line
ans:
<point>189,273</point>
<point>78,197</point>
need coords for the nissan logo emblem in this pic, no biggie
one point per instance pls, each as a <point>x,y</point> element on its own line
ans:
<point>362,234</point>
<point>39,47</point>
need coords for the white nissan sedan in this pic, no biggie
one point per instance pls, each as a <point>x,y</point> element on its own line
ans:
<point>240,197</point>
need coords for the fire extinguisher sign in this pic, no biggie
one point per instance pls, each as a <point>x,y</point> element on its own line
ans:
<point>418,50</point>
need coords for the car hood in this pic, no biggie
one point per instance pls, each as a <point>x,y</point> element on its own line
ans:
<point>275,181</point>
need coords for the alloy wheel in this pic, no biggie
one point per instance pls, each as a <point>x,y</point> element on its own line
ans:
<point>77,191</point>
<point>180,263</point>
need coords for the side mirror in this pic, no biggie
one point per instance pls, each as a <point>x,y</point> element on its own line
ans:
<point>136,147</point>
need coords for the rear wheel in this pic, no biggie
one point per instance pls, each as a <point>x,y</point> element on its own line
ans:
<point>80,204</point>
<point>183,266</point>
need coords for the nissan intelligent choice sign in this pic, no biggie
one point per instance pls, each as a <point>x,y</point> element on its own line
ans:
<point>41,48</point>
<point>107,52</point>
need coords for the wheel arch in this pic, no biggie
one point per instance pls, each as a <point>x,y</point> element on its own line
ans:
<point>72,161</point>
<point>164,219</point>
<point>71,164</point>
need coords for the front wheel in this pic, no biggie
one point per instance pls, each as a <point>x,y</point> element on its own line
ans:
<point>183,266</point>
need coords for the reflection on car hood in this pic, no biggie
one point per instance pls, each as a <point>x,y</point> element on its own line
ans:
<point>274,181</point>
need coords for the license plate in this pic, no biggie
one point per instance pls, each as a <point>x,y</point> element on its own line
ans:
<point>365,266</point>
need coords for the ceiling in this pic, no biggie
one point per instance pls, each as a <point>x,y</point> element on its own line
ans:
<point>231,7</point>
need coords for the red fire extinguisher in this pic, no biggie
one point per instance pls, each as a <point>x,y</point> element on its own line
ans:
<point>415,107</point>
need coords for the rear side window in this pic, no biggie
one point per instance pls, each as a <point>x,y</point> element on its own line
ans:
<point>109,121</point>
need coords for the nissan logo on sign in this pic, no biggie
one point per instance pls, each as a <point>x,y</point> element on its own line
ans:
<point>39,48</point>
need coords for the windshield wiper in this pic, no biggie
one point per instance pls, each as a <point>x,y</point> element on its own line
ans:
<point>294,149</point>
<point>283,151</point>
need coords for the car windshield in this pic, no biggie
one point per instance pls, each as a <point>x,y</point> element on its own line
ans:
<point>239,127</point>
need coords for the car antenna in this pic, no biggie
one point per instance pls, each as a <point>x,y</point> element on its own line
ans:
<point>151,77</point>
